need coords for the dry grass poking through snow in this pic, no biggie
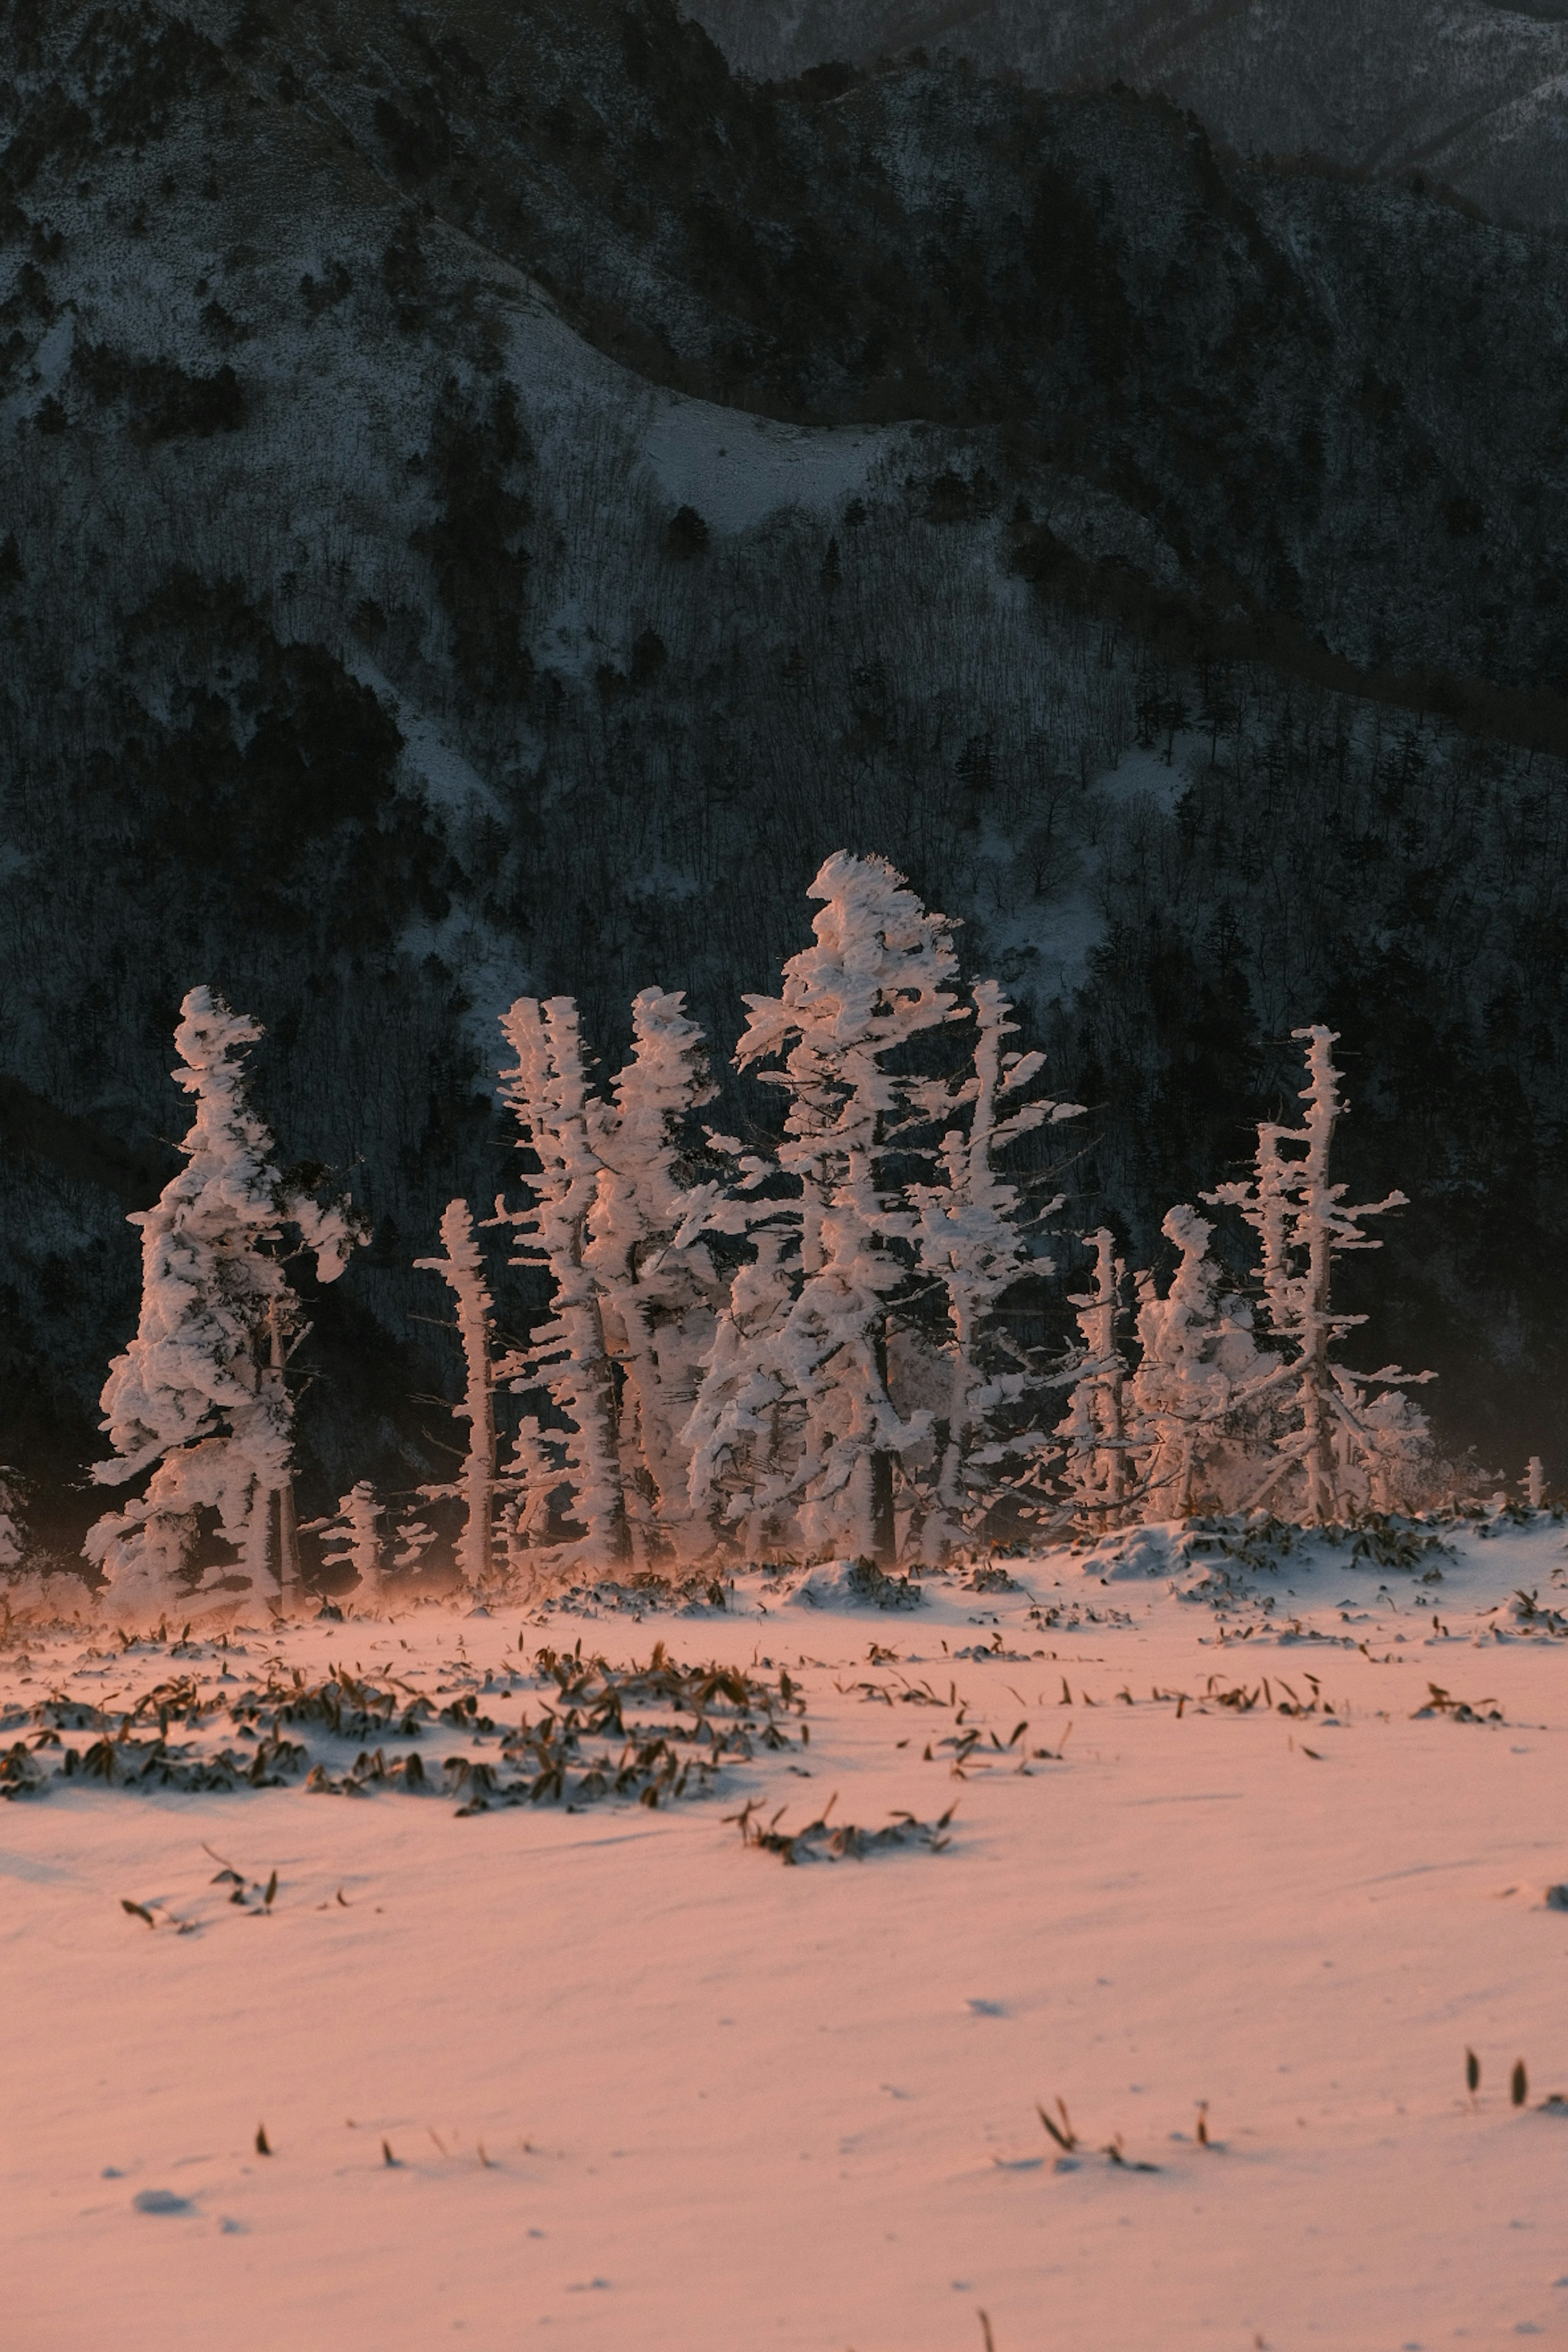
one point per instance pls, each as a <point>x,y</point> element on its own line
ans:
<point>1166,2051</point>
<point>652,1733</point>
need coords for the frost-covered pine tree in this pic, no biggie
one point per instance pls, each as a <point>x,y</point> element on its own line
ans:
<point>1198,1404</point>
<point>1094,1429</point>
<point>1348,1446</point>
<point>547,1090</point>
<point>200,1397</point>
<point>877,974</point>
<point>634,1288</point>
<point>741,1436</point>
<point>352,1534</point>
<point>413,1538</point>
<point>970,1237</point>
<point>657,1285</point>
<point>462,1266</point>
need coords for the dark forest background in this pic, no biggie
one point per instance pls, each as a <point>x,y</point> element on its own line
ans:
<point>1177,594</point>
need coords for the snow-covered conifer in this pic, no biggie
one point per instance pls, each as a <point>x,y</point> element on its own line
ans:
<point>657,1285</point>
<point>1347,1447</point>
<point>969,1235</point>
<point>462,1266</point>
<point>199,1398</point>
<point>878,973</point>
<point>1200,1393</point>
<point>352,1534</point>
<point>413,1538</point>
<point>635,1292</point>
<point>742,1434</point>
<point>547,1091</point>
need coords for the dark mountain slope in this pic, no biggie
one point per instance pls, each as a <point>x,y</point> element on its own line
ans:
<point>362,654</point>
<point>1470,93</point>
<point>1334,403</point>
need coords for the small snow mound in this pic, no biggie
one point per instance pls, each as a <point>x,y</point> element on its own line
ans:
<point>855,1585</point>
<point>1157,1551</point>
<point>162,2200</point>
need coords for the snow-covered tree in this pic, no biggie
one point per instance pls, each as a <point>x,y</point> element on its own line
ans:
<point>657,1289</point>
<point>547,1090</point>
<point>1348,1445</point>
<point>635,1291</point>
<point>1198,1407</point>
<point>413,1536</point>
<point>742,1434</point>
<point>462,1266</point>
<point>200,1397</point>
<point>970,1236</point>
<point>352,1534</point>
<point>878,973</point>
<point>1094,1429</point>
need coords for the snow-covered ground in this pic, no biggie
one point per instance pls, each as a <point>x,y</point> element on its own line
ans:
<point>602,2074</point>
<point>736,469</point>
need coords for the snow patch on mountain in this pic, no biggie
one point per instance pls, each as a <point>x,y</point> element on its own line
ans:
<point>735,469</point>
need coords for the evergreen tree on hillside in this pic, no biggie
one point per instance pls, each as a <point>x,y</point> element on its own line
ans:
<point>654,1276</point>
<point>634,1288</point>
<point>970,1235</point>
<point>1199,1403</point>
<point>353,1536</point>
<point>558,1118</point>
<point>200,1397</point>
<point>878,973</point>
<point>1349,1447</point>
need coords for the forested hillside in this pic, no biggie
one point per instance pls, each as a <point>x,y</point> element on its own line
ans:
<point>489,499</point>
<point>1467,92</point>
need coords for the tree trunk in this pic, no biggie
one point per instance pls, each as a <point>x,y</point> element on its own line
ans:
<point>290,1581</point>
<point>283,1521</point>
<point>884,1528</point>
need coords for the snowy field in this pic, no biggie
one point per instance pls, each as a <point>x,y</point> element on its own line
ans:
<point>600,2072</point>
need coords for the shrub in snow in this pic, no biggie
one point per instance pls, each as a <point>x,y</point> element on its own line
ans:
<point>877,974</point>
<point>837,1583</point>
<point>200,1398</point>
